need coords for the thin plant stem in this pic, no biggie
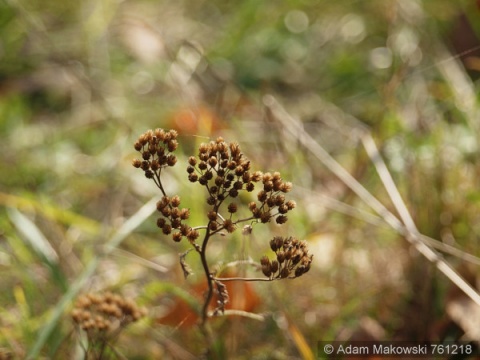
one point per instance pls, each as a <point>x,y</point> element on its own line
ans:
<point>412,235</point>
<point>336,205</point>
<point>208,275</point>
<point>249,279</point>
<point>224,172</point>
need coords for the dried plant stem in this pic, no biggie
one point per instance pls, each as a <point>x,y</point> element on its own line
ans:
<point>336,205</point>
<point>463,89</point>
<point>246,314</point>
<point>294,127</point>
<point>250,279</point>
<point>410,231</point>
<point>224,171</point>
<point>208,276</point>
<point>413,235</point>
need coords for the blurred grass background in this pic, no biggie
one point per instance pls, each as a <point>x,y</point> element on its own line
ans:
<point>79,81</point>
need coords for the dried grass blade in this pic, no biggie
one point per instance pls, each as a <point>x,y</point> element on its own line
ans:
<point>412,235</point>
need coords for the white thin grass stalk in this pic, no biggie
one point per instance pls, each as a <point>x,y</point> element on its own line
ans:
<point>139,260</point>
<point>388,183</point>
<point>452,250</point>
<point>414,234</point>
<point>461,85</point>
<point>333,204</point>
<point>293,126</point>
<point>126,229</point>
<point>253,316</point>
<point>372,219</point>
<point>132,223</point>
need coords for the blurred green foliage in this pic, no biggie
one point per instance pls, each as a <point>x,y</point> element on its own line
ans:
<point>79,81</point>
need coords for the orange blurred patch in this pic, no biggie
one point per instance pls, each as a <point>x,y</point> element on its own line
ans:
<point>241,297</point>
<point>196,121</point>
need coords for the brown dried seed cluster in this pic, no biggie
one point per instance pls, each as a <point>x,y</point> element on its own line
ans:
<point>272,201</point>
<point>173,217</point>
<point>292,258</point>
<point>156,147</point>
<point>223,169</point>
<point>104,312</point>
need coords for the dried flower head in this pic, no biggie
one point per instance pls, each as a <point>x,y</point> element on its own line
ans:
<point>102,314</point>
<point>156,149</point>
<point>226,175</point>
<point>223,169</point>
<point>292,258</point>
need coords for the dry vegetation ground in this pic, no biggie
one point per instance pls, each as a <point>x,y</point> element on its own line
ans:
<point>370,108</point>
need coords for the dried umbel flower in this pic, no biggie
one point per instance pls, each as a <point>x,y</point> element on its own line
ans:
<point>223,169</point>
<point>173,217</point>
<point>225,173</point>
<point>272,198</point>
<point>292,258</point>
<point>104,313</point>
<point>156,149</point>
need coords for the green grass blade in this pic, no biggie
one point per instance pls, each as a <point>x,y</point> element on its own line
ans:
<point>126,229</point>
<point>32,234</point>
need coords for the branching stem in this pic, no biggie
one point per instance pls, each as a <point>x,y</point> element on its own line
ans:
<point>250,279</point>
<point>203,256</point>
